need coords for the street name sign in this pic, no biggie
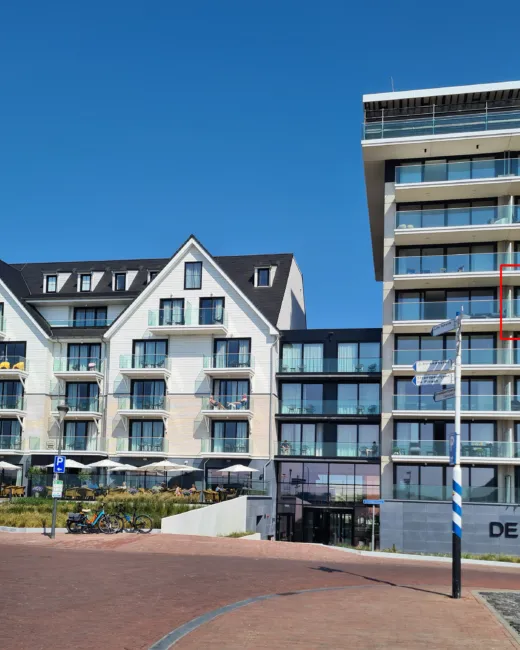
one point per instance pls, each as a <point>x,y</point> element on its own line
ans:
<point>429,380</point>
<point>444,328</point>
<point>433,366</point>
<point>373,502</point>
<point>447,393</point>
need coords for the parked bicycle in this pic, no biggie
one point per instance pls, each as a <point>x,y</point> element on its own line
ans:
<point>134,523</point>
<point>83,522</point>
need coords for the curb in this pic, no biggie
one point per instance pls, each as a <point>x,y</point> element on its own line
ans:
<point>10,529</point>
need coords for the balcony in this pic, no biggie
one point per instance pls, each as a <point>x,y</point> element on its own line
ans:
<point>333,495</point>
<point>80,368</point>
<point>145,365</point>
<point>81,445</point>
<point>14,367</point>
<point>494,406</point>
<point>226,447</point>
<point>319,408</point>
<point>188,321</point>
<point>471,451</point>
<point>148,406</point>
<point>82,323</point>
<point>329,449</point>
<point>232,407</point>
<point>490,119</point>
<point>358,365</point>
<point>484,494</point>
<point>10,443</point>
<point>142,446</point>
<point>80,408</point>
<point>229,365</point>
<point>13,406</point>
<point>475,361</point>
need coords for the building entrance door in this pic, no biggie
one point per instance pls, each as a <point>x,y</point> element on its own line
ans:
<point>327,526</point>
<point>285,527</point>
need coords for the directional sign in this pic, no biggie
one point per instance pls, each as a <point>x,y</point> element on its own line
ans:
<point>57,489</point>
<point>373,502</point>
<point>443,328</point>
<point>59,464</point>
<point>433,366</point>
<point>447,393</point>
<point>429,380</point>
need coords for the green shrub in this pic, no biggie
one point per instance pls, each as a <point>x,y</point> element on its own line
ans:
<point>155,506</point>
<point>238,534</point>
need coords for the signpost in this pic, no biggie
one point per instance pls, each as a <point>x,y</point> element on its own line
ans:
<point>433,366</point>
<point>456,499</point>
<point>59,468</point>
<point>373,503</point>
<point>59,464</point>
<point>429,380</point>
<point>57,489</point>
<point>447,393</point>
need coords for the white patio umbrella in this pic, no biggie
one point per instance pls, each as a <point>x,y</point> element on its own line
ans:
<point>238,469</point>
<point>107,464</point>
<point>166,466</point>
<point>70,463</point>
<point>125,467</point>
<point>5,465</point>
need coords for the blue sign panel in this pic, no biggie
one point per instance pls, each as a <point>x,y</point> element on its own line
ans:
<point>59,464</point>
<point>373,502</point>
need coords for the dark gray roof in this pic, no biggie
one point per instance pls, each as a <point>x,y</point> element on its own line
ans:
<point>26,280</point>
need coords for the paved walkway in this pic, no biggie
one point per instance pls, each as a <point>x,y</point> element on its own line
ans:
<point>126,592</point>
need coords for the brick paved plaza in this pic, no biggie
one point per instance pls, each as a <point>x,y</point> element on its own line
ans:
<point>127,592</point>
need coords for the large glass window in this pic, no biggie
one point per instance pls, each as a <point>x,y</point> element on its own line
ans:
<point>148,394</point>
<point>232,353</point>
<point>11,394</point>
<point>84,356</point>
<point>150,353</point>
<point>230,437</point>
<point>357,439</point>
<point>171,311</point>
<point>82,396</point>
<point>90,317</point>
<point>360,399</point>
<point>476,348</point>
<point>10,434</point>
<point>146,435</point>
<point>232,392</point>
<point>302,357</point>
<point>359,357</point>
<point>12,352</point>
<point>193,275</point>
<point>302,398</point>
<point>211,311</point>
<point>301,439</point>
<point>76,436</point>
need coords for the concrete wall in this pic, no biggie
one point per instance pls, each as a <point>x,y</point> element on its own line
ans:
<point>419,526</point>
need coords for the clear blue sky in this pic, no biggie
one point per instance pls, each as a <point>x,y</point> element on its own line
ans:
<point>125,126</point>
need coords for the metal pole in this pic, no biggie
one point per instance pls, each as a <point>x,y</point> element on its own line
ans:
<point>373,524</point>
<point>456,503</point>
<point>55,478</point>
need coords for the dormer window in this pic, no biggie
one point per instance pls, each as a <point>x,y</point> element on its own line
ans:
<point>193,275</point>
<point>120,282</point>
<point>152,275</point>
<point>51,283</point>
<point>85,282</point>
<point>263,277</point>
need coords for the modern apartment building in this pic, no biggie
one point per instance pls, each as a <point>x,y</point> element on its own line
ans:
<point>443,187</point>
<point>328,424</point>
<point>162,358</point>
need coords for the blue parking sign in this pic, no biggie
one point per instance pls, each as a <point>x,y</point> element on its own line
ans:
<point>59,464</point>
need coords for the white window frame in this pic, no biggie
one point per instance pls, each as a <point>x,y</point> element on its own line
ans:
<point>271,276</point>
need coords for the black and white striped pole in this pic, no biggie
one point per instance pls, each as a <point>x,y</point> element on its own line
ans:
<point>456,498</point>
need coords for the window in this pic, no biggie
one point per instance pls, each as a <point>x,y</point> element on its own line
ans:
<point>302,357</point>
<point>11,394</point>
<point>358,440</point>
<point>82,396</point>
<point>76,436</point>
<point>84,356</point>
<point>10,434</point>
<point>263,277</point>
<point>193,275</point>
<point>85,282</point>
<point>90,317</point>
<point>476,348</point>
<point>232,392</point>
<point>232,353</point>
<point>1,316</point>
<point>302,398</point>
<point>148,394</point>
<point>51,282</point>
<point>230,437</point>
<point>359,357</point>
<point>146,435</point>
<point>171,311</point>
<point>150,353</point>
<point>211,311</point>
<point>152,275</point>
<point>120,282</point>
<point>358,399</point>
<point>301,440</point>
<point>13,353</point>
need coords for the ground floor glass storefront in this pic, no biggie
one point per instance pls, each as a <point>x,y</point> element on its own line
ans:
<point>322,502</point>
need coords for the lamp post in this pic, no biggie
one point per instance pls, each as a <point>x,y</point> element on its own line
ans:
<point>63,409</point>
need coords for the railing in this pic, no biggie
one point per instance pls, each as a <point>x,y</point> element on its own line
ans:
<point>243,486</point>
<point>159,445</point>
<point>488,120</point>
<point>81,322</point>
<point>333,495</point>
<point>470,494</point>
<point>13,362</point>
<point>329,449</point>
<point>13,403</point>
<point>225,446</point>
<point>473,449</point>
<point>143,403</point>
<point>468,403</point>
<point>226,361</point>
<point>78,364</point>
<point>226,403</point>
<point>143,361</point>
<point>76,404</point>
<point>493,215</point>
<point>442,310</point>
<point>456,170</point>
<point>80,443</point>
<point>11,442</point>
<point>330,407</point>
<point>187,317</point>
<point>473,356</point>
<point>463,263</point>
<point>358,364</point>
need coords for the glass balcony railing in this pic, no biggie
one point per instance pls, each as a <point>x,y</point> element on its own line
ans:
<point>83,322</point>
<point>11,442</point>
<point>456,170</point>
<point>227,403</point>
<point>474,356</point>
<point>329,449</point>
<point>347,365</point>
<point>12,403</point>
<point>187,317</point>
<point>442,310</point>
<point>334,495</point>
<point>78,364</point>
<point>497,403</point>
<point>485,120</point>
<point>484,494</point>
<point>143,361</point>
<point>225,446</point>
<point>13,362</point>
<point>158,445</point>
<point>143,403</point>
<point>468,449</point>
<point>83,404</point>
<point>82,443</point>
<point>493,215</point>
<point>227,361</point>
<point>464,263</point>
<point>330,407</point>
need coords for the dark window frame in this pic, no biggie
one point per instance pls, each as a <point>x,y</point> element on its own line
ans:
<point>199,264</point>
<point>96,316</point>
<point>263,269</point>
<point>85,275</point>
<point>47,278</point>
<point>116,278</point>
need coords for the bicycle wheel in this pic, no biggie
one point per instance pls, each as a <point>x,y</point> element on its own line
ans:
<point>108,524</point>
<point>143,524</point>
<point>74,527</point>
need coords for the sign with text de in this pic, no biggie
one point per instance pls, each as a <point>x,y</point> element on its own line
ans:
<point>59,464</point>
<point>444,328</point>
